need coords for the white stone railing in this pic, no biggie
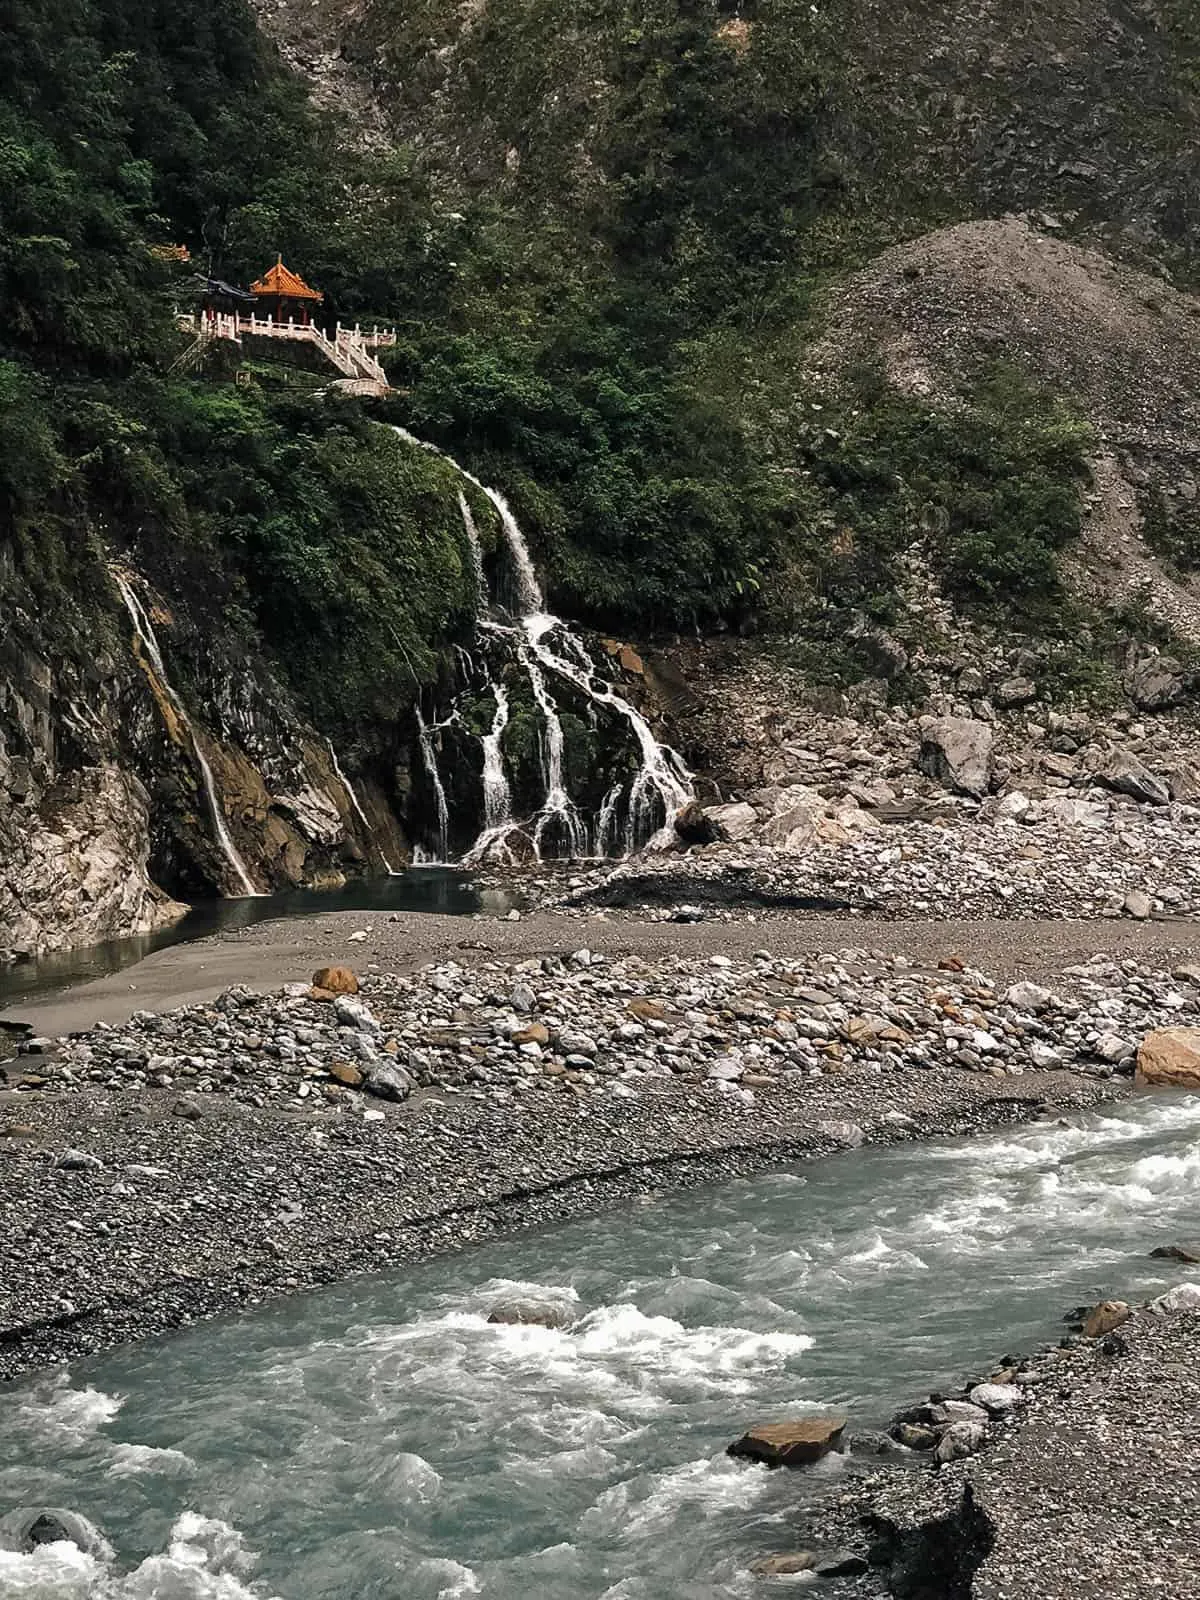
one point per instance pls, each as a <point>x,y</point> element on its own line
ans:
<point>349,350</point>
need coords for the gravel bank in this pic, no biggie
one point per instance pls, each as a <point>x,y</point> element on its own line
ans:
<point>1090,1489</point>
<point>272,953</point>
<point>193,1162</point>
<point>185,1219</point>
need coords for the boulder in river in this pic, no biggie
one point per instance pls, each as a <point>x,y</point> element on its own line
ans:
<point>1170,1058</point>
<point>25,1529</point>
<point>790,1444</point>
<point>1177,1252</point>
<point>785,1565</point>
<point>533,1314</point>
<point>958,753</point>
<point>1102,1319</point>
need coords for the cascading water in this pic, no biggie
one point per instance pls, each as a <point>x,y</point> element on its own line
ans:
<point>152,662</point>
<point>353,799</point>
<point>659,788</point>
<point>429,755</point>
<point>384,1437</point>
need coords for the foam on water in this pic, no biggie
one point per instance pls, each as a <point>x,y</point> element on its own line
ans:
<point>73,1414</point>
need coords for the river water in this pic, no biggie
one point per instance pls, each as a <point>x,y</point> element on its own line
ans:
<point>381,1439</point>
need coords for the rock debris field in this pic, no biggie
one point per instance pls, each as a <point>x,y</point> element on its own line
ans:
<point>185,1163</point>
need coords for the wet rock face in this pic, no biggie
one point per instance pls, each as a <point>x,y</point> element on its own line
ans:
<point>73,864</point>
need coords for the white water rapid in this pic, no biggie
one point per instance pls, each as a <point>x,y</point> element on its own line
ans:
<point>153,662</point>
<point>382,1437</point>
<point>360,813</point>
<point>549,652</point>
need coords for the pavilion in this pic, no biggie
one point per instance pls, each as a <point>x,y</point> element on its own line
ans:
<point>284,296</point>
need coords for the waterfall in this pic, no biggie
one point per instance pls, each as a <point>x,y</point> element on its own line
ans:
<point>153,665</point>
<point>425,735</point>
<point>353,799</point>
<point>606,825</point>
<point>662,780</point>
<point>476,550</point>
<point>497,797</point>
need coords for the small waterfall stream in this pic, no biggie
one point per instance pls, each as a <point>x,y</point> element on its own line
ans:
<point>549,653</point>
<point>153,665</point>
<point>359,812</point>
<point>425,735</point>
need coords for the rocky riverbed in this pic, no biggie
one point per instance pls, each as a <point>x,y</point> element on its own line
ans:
<point>1068,1477</point>
<point>191,1161</point>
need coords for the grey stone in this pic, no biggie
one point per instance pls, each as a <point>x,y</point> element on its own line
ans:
<point>958,753</point>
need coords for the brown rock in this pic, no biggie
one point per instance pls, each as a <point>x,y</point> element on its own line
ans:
<point>914,1436</point>
<point>630,661</point>
<point>1170,1057</point>
<point>783,1566</point>
<point>1102,1319</point>
<point>335,980</point>
<point>345,1072</point>
<point>647,1010</point>
<point>18,1130</point>
<point>790,1444</point>
<point>535,1033</point>
<point>321,994</point>
<point>1177,1252</point>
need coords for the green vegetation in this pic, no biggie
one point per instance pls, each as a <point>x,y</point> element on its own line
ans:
<point>614,335</point>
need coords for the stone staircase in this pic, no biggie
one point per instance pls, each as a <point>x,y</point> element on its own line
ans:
<point>351,350</point>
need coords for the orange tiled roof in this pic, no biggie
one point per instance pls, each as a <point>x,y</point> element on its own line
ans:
<point>280,281</point>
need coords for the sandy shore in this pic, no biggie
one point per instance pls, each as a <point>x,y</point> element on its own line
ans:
<point>271,953</point>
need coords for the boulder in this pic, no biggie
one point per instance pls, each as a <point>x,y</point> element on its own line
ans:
<point>1156,683</point>
<point>1177,1252</point>
<point>1138,905</point>
<point>961,1439</point>
<point>958,753</point>
<point>533,1314</point>
<point>996,1398</point>
<point>790,1444</point>
<point>1102,1319</point>
<point>345,1072</point>
<point>841,1564</point>
<point>1170,1058</point>
<point>1184,783</point>
<point>1015,692</point>
<point>28,1527</point>
<point>694,825</point>
<point>535,1033</point>
<point>387,1081</point>
<point>784,1566</point>
<point>733,822</point>
<point>335,980</point>
<point>1124,773</point>
<point>1183,1297</point>
<point>914,1436</point>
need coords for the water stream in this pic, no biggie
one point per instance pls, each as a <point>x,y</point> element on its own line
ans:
<point>662,783</point>
<point>382,1439</point>
<point>153,664</point>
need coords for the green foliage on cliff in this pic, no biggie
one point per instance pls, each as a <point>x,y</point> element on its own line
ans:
<point>986,491</point>
<point>604,265</point>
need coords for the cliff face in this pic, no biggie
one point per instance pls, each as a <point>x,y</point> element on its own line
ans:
<point>719,294</point>
<point>105,809</point>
